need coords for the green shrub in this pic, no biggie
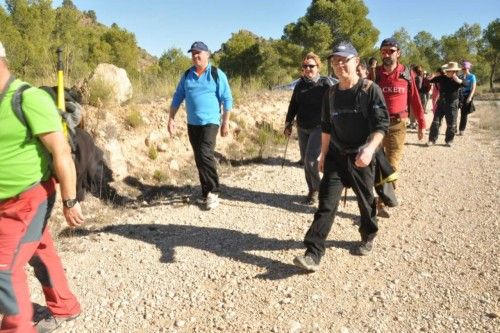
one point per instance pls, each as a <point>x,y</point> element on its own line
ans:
<point>160,176</point>
<point>134,118</point>
<point>267,137</point>
<point>100,93</point>
<point>153,153</point>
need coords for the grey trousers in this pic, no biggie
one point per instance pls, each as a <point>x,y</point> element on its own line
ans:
<point>310,148</point>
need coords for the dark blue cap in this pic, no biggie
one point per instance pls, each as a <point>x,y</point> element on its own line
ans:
<point>198,46</point>
<point>344,50</point>
<point>390,42</point>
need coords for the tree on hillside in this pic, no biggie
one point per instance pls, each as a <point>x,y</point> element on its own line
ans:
<point>410,54</point>
<point>70,35</point>
<point>173,63</point>
<point>462,45</point>
<point>428,48</point>
<point>35,21</point>
<point>13,43</point>
<point>490,50</point>
<point>124,52</point>
<point>240,55</point>
<point>331,21</point>
<point>281,61</point>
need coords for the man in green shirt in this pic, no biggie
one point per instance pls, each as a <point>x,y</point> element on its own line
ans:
<point>31,158</point>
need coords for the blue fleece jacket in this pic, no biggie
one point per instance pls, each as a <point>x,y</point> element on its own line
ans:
<point>203,99</point>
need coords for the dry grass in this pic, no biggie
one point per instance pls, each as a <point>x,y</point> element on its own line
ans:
<point>488,115</point>
<point>134,118</point>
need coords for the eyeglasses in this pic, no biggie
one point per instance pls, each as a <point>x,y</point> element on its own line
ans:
<point>336,62</point>
<point>308,66</point>
<point>388,51</point>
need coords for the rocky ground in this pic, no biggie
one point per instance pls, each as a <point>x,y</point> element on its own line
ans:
<point>169,266</point>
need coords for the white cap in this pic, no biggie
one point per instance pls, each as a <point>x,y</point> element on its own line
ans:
<point>2,51</point>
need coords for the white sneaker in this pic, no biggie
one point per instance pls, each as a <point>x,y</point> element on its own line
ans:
<point>212,200</point>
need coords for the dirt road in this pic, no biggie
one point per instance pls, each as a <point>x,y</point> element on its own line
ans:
<point>172,267</point>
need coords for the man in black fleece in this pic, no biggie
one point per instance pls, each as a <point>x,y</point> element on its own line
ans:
<point>354,122</point>
<point>305,104</point>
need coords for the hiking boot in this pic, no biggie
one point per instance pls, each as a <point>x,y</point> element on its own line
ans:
<point>461,133</point>
<point>430,143</point>
<point>212,200</point>
<point>306,262</point>
<point>45,322</point>
<point>449,143</point>
<point>311,198</point>
<point>382,210</point>
<point>366,246</point>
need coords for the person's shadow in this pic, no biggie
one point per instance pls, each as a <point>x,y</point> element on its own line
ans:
<point>235,196</point>
<point>226,243</point>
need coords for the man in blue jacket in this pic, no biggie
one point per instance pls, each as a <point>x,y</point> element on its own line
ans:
<point>204,88</point>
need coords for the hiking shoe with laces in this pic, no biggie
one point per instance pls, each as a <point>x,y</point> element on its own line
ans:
<point>366,246</point>
<point>212,200</point>
<point>382,210</point>
<point>45,322</point>
<point>306,262</point>
<point>311,198</point>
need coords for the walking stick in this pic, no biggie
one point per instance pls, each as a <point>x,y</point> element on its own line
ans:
<point>286,148</point>
<point>61,104</point>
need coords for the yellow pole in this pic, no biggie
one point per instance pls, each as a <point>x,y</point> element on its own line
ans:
<point>61,104</point>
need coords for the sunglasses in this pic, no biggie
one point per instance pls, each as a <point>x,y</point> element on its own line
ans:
<point>336,62</point>
<point>388,51</point>
<point>308,66</point>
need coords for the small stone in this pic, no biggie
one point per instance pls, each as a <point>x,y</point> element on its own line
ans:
<point>162,147</point>
<point>493,315</point>
<point>180,323</point>
<point>294,327</point>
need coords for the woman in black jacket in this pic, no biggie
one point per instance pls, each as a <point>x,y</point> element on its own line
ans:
<point>305,105</point>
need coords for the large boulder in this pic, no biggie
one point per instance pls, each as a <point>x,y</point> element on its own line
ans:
<point>114,158</point>
<point>114,78</point>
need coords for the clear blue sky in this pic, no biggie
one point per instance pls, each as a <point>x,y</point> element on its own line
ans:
<point>161,24</point>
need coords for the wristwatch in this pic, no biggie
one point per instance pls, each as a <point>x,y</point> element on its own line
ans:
<point>69,203</point>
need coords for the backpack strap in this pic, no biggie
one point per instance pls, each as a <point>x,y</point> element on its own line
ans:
<point>361,97</point>
<point>17,107</point>
<point>215,76</point>
<point>406,74</point>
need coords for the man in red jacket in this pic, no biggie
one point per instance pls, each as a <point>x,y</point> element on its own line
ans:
<point>397,82</point>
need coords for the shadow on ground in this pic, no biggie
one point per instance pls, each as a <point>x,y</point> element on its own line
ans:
<point>225,243</point>
<point>184,195</point>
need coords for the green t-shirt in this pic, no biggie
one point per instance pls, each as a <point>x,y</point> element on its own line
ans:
<point>24,161</point>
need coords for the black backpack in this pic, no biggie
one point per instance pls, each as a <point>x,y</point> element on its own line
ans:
<point>92,173</point>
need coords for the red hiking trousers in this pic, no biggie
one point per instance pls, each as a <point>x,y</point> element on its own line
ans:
<point>25,238</point>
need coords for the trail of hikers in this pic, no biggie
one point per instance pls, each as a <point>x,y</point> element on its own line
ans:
<point>173,267</point>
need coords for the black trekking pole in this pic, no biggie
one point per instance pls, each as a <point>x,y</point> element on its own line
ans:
<point>286,148</point>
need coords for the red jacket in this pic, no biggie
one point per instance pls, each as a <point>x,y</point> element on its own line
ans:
<point>399,94</point>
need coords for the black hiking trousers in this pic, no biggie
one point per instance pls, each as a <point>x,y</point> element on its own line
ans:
<point>340,171</point>
<point>202,139</point>
<point>449,111</point>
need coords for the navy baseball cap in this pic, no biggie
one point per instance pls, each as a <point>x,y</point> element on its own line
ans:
<point>344,50</point>
<point>198,46</point>
<point>390,42</point>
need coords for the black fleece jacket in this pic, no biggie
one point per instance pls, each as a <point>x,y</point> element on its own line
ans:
<point>305,103</point>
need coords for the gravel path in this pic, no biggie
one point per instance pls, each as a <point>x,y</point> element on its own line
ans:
<point>172,267</point>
